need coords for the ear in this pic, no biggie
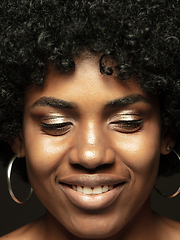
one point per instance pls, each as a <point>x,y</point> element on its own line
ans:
<point>168,139</point>
<point>17,145</point>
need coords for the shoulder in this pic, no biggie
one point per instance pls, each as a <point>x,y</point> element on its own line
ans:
<point>28,232</point>
<point>17,234</point>
<point>168,228</point>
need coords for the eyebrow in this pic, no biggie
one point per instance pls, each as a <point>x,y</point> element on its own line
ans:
<point>54,102</point>
<point>119,102</point>
<point>131,99</point>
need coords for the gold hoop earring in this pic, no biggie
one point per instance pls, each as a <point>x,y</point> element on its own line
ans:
<point>178,190</point>
<point>9,181</point>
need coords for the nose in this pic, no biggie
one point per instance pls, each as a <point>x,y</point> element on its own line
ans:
<point>91,148</point>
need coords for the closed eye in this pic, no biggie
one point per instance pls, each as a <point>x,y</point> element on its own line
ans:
<point>127,126</point>
<point>56,129</point>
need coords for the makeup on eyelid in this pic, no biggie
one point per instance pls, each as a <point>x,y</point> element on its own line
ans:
<point>55,120</point>
<point>126,117</point>
<point>122,122</point>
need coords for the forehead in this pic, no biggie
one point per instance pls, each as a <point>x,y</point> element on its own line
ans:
<point>86,85</point>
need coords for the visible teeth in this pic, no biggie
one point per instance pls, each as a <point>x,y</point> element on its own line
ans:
<point>105,188</point>
<point>79,189</point>
<point>95,190</point>
<point>110,187</point>
<point>87,190</point>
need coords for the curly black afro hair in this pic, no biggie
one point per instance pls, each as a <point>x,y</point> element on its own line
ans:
<point>142,36</point>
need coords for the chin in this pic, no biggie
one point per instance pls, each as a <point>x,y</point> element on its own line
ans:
<point>94,234</point>
<point>95,230</point>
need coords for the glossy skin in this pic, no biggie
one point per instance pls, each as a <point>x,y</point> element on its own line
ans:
<point>89,139</point>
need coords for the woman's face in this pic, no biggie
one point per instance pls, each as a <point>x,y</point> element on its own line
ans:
<point>92,146</point>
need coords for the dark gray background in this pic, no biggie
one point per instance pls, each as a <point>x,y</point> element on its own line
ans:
<point>13,215</point>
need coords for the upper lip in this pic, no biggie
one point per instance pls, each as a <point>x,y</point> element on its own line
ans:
<point>92,180</point>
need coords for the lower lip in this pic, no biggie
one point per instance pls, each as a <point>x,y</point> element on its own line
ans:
<point>92,202</point>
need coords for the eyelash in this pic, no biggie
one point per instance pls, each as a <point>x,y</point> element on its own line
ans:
<point>56,129</point>
<point>127,126</point>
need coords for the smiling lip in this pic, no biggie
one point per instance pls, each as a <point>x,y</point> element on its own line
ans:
<point>105,190</point>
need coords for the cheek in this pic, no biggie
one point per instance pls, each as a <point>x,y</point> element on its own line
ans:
<point>44,155</point>
<point>140,151</point>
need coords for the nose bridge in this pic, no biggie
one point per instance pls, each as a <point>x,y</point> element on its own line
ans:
<point>91,145</point>
<point>91,134</point>
<point>91,148</point>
